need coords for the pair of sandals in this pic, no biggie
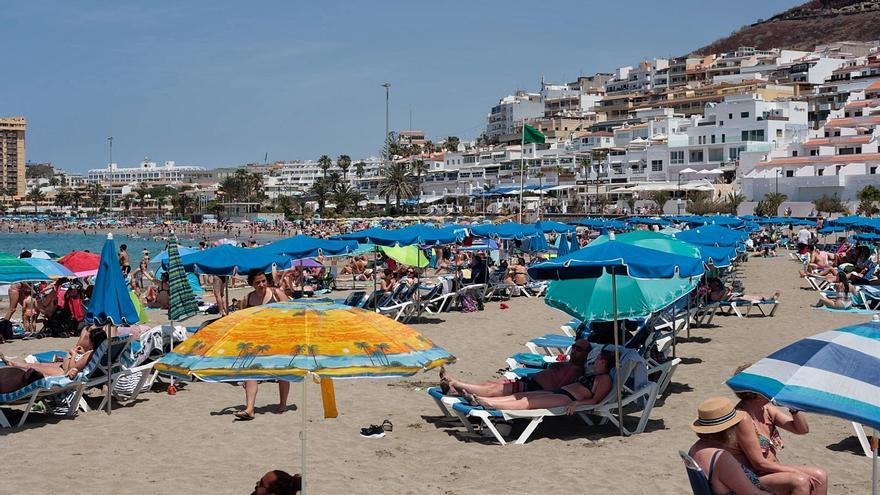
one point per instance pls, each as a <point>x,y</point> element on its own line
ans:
<point>377,431</point>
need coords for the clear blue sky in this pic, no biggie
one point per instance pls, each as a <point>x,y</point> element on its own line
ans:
<point>218,83</point>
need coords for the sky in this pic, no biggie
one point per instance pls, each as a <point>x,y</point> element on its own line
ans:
<point>223,83</point>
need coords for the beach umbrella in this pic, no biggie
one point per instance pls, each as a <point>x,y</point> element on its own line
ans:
<point>302,246</point>
<point>163,256</point>
<point>82,263</point>
<point>625,263</point>
<point>181,301</point>
<point>226,259</point>
<point>835,373</point>
<point>712,235</point>
<point>551,226</point>
<point>407,255</point>
<point>43,254</point>
<point>296,340</point>
<point>564,247</point>
<point>50,268</point>
<point>14,269</point>
<point>110,304</point>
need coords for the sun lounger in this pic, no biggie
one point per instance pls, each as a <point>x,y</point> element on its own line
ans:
<point>863,440</point>
<point>870,296</point>
<point>40,389</point>
<point>736,307</point>
<point>817,283</point>
<point>401,304</point>
<point>697,478</point>
<point>437,301</point>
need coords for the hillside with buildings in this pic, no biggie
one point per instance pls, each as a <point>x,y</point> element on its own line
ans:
<point>806,26</point>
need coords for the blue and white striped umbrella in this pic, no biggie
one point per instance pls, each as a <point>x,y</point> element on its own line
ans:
<point>836,373</point>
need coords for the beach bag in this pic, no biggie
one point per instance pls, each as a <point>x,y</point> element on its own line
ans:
<point>7,331</point>
<point>468,303</point>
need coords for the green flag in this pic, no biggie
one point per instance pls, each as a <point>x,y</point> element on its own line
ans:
<point>532,135</point>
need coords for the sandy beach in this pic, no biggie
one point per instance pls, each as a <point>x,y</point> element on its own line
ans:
<point>189,443</point>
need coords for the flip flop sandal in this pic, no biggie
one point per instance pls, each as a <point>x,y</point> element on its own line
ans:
<point>387,425</point>
<point>243,416</point>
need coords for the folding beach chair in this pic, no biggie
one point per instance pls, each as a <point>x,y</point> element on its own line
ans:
<point>698,480</point>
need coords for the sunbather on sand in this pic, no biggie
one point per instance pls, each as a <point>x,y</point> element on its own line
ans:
<point>841,298</point>
<point>589,389</point>
<point>718,292</point>
<point>555,377</point>
<point>75,361</point>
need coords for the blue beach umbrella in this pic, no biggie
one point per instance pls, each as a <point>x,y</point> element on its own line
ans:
<point>619,259</point>
<point>111,302</point>
<point>51,269</point>
<point>181,301</point>
<point>835,373</point>
<point>551,226</point>
<point>564,247</point>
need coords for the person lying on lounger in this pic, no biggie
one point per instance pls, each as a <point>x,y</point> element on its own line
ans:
<point>75,361</point>
<point>718,292</point>
<point>554,377</point>
<point>589,389</point>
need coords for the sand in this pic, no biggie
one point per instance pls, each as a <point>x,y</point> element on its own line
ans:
<point>189,443</point>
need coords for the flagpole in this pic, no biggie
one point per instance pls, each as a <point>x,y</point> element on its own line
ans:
<point>522,173</point>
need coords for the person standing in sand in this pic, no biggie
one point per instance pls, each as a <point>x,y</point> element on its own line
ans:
<point>262,294</point>
<point>124,260</point>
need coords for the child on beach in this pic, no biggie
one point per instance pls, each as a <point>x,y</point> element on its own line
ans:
<point>29,311</point>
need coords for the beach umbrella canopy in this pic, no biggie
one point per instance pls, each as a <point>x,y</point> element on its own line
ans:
<point>407,236</point>
<point>847,220</point>
<point>507,230</point>
<point>50,268</point>
<point>601,223</point>
<point>407,255</point>
<point>163,256</point>
<point>82,263</point>
<point>557,227</point>
<point>226,259</point>
<point>291,340</point>
<point>536,244</point>
<point>181,301</point>
<point>303,246</point>
<point>835,373</point>
<point>14,269</point>
<point>712,235</point>
<point>648,221</point>
<point>43,254</point>
<point>831,229</point>
<point>110,303</point>
<point>564,247</point>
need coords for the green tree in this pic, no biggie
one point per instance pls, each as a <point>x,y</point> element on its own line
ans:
<point>284,204</point>
<point>868,197</point>
<point>769,206</point>
<point>397,181</point>
<point>35,196</point>
<point>182,204</point>
<point>62,198</point>
<point>830,204</point>
<point>325,163</point>
<point>216,208</point>
<point>452,143</point>
<point>345,197</point>
<point>659,198</point>
<point>142,194</point>
<point>359,169</point>
<point>319,191</point>
<point>733,201</point>
<point>344,163</point>
<point>95,194</point>
<point>333,180</point>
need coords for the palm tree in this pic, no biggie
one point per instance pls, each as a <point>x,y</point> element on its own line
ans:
<point>429,147</point>
<point>320,191</point>
<point>345,196</point>
<point>242,347</point>
<point>258,350</point>
<point>397,182</point>
<point>325,163</point>
<point>452,143</point>
<point>359,169</point>
<point>420,168</point>
<point>771,203</point>
<point>35,196</point>
<point>142,193</point>
<point>734,199</point>
<point>365,347</point>
<point>313,351</point>
<point>95,193</point>
<point>344,162</point>
<point>297,350</point>
<point>182,203</point>
<point>867,196</point>
<point>334,180</point>
<point>380,349</point>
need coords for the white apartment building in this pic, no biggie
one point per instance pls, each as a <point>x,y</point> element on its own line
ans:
<point>840,158</point>
<point>509,113</point>
<point>147,172</point>
<point>295,178</point>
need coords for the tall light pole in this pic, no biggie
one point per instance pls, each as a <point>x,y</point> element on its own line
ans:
<point>110,144</point>
<point>387,87</point>
<point>777,182</point>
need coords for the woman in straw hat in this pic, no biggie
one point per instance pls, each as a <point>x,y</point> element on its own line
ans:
<point>716,426</point>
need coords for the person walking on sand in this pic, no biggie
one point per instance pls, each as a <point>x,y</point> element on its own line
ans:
<point>262,294</point>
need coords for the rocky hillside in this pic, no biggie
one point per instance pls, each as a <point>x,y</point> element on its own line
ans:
<point>803,27</point>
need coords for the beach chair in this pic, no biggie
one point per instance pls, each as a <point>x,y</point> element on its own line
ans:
<point>698,480</point>
<point>401,304</point>
<point>869,296</point>
<point>533,288</point>
<point>43,388</point>
<point>736,307</point>
<point>817,283</point>
<point>97,373</point>
<point>355,298</point>
<point>863,440</point>
<point>437,300</point>
<point>605,409</point>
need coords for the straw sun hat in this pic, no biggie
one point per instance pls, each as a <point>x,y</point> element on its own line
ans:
<point>715,415</point>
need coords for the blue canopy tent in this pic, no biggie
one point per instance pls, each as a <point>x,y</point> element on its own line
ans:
<point>163,256</point>
<point>712,235</point>
<point>556,227</point>
<point>506,231</point>
<point>662,222</point>
<point>111,303</point>
<point>832,229</point>
<point>724,220</point>
<point>303,246</point>
<point>415,234</point>
<point>599,223</point>
<point>228,260</point>
<point>617,259</point>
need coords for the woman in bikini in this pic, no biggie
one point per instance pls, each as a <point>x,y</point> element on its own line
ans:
<point>263,293</point>
<point>158,295</point>
<point>589,389</point>
<point>759,443</point>
<point>75,361</point>
<point>716,427</point>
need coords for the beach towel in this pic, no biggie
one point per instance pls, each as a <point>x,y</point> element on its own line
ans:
<point>856,311</point>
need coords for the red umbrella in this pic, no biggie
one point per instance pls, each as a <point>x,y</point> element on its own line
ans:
<point>81,263</point>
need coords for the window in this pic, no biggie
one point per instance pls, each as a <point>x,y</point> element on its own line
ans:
<point>696,156</point>
<point>858,150</point>
<point>733,153</point>
<point>845,151</point>
<point>814,152</point>
<point>730,116</point>
<point>753,135</point>
<point>779,133</point>
<point>713,138</point>
<point>722,137</point>
<point>744,115</point>
<point>820,172</point>
<point>872,170</point>
<point>676,157</point>
<point>656,165</point>
<point>794,153</point>
<point>789,173</point>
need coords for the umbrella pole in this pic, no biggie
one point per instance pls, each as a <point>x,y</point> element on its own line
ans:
<point>874,462</point>
<point>109,370</point>
<point>375,272</point>
<point>616,349</point>
<point>302,433</point>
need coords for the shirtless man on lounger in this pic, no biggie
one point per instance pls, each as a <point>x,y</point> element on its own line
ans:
<point>553,378</point>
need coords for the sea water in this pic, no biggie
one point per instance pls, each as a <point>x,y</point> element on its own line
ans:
<point>63,243</point>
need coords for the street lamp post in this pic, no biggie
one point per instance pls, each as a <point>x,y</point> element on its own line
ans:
<point>387,87</point>
<point>777,182</point>
<point>110,144</point>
